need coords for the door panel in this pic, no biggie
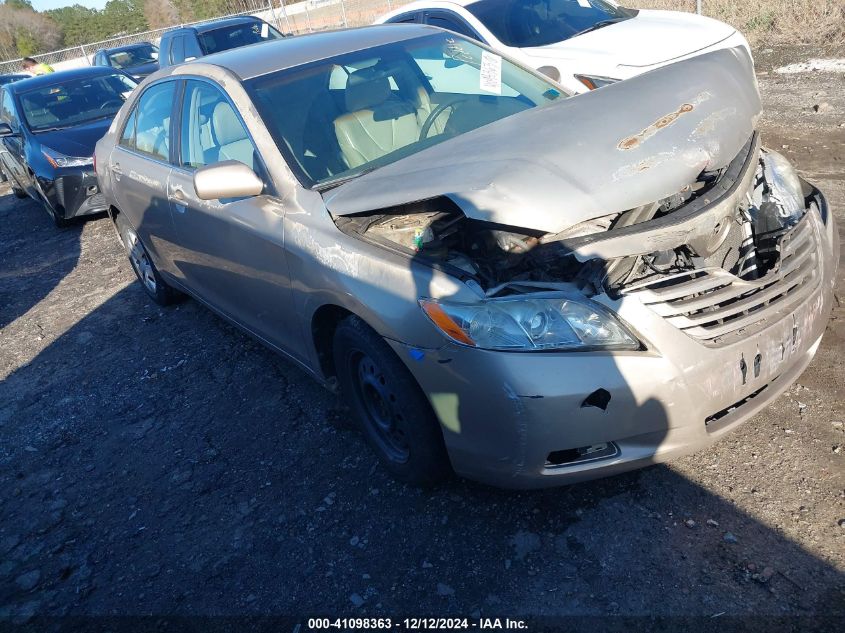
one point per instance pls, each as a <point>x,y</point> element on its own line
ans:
<point>231,252</point>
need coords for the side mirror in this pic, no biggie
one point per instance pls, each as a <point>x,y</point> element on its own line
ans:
<point>5,130</point>
<point>227,179</point>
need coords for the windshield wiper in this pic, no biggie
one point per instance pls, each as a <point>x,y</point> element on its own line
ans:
<point>336,182</point>
<point>74,124</point>
<point>599,25</point>
<point>50,129</point>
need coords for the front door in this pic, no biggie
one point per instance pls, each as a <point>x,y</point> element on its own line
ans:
<point>231,252</point>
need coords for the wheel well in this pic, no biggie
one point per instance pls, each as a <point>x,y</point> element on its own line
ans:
<point>113,211</point>
<point>323,326</point>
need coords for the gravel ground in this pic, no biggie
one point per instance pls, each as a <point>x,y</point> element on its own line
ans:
<point>157,461</point>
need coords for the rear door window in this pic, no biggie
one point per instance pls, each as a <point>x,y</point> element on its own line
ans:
<point>236,35</point>
<point>152,126</point>
<point>127,139</point>
<point>450,22</point>
<point>177,50</point>
<point>404,18</point>
<point>192,47</point>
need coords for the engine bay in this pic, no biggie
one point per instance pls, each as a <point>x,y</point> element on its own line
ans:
<point>759,200</point>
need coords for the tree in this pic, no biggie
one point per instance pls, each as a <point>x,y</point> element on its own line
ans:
<point>122,16</point>
<point>77,23</point>
<point>23,32</point>
<point>81,25</point>
<point>19,4</point>
<point>160,13</point>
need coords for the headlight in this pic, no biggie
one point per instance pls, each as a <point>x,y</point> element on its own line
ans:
<point>530,324</point>
<point>57,159</point>
<point>592,81</point>
<point>785,188</point>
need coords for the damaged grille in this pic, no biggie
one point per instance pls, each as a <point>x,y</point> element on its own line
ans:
<point>716,307</point>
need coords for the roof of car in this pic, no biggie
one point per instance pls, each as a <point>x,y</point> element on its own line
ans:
<point>216,24</point>
<point>125,47</point>
<point>421,4</point>
<point>253,61</point>
<point>58,77</point>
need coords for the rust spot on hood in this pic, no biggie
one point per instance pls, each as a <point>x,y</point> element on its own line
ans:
<point>665,121</point>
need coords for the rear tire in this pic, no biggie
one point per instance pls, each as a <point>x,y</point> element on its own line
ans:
<point>391,409</point>
<point>142,264</point>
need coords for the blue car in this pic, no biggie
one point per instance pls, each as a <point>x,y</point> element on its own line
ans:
<point>139,60</point>
<point>48,128</point>
<point>7,79</point>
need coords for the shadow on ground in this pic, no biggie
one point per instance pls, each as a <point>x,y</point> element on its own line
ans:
<point>24,222</point>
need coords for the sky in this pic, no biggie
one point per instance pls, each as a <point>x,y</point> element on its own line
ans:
<point>44,5</point>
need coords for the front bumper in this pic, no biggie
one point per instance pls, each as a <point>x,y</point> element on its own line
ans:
<point>74,193</point>
<point>503,414</point>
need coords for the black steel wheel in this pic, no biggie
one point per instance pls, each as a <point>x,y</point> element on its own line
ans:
<point>389,406</point>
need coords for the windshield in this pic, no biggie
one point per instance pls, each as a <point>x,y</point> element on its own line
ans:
<point>237,35</point>
<point>526,23</point>
<point>347,115</point>
<point>132,57</point>
<point>75,102</point>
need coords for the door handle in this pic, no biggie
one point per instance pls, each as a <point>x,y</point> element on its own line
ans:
<point>177,197</point>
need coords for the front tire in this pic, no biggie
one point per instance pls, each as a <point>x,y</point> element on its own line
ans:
<point>397,419</point>
<point>143,265</point>
<point>58,221</point>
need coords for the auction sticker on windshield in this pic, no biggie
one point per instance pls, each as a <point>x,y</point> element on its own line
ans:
<point>490,77</point>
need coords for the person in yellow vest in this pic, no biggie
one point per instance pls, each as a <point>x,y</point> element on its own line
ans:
<point>35,67</point>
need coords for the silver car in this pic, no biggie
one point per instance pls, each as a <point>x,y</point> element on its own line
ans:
<point>521,286</point>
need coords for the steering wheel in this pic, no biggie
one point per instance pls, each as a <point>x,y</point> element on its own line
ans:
<point>111,102</point>
<point>432,117</point>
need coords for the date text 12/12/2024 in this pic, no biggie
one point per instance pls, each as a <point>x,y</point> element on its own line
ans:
<point>415,624</point>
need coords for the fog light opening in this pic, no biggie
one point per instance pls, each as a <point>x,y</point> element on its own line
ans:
<point>570,456</point>
<point>600,398</point>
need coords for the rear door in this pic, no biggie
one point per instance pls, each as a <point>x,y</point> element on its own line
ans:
<point>140,166</point>
<point>231,252</point>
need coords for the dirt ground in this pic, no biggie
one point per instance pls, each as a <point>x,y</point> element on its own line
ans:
<point>156,461</point>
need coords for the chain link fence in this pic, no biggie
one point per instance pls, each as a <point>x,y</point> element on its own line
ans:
<point>295,18</point>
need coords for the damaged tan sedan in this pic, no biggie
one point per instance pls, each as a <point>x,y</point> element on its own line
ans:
<point>522,286</point>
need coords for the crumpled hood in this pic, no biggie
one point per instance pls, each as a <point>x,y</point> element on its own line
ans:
<point>652,37</point>
<point>602,152</point>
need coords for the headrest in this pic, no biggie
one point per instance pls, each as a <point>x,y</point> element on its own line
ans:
<point>366,89</point>
<point>227,127</point>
